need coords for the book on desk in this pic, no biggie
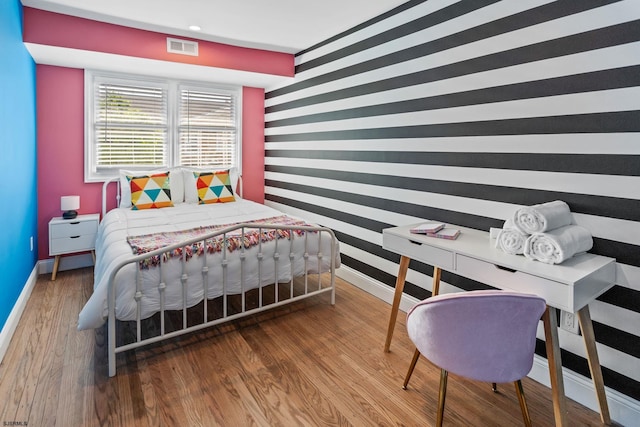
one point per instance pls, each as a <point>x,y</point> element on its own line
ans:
<point>427,227</point>
<point>436,229</point>
<point>445,233</point>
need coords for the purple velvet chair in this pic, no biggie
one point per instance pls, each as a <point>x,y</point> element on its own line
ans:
<point>482,335</point>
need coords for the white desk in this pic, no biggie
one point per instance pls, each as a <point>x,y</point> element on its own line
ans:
<point>569,286</point>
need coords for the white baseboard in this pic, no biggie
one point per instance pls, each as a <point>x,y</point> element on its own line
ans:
<point>67,262</point>
<point>623,409</point>
<point>374,287</point>
<point>11,324</point>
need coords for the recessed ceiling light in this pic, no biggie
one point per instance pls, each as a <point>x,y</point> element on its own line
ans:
<point>194,28</point>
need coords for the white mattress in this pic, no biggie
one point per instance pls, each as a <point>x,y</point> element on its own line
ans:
<point>112,247</point>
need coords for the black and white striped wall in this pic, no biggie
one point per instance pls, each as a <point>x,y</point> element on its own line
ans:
<point>461,111</point>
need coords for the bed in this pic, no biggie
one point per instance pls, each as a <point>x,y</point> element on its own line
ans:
<point>213,262</point>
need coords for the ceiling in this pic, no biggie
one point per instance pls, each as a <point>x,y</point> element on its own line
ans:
<point>281,25</point>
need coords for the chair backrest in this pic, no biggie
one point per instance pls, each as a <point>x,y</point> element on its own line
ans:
<point>483,335</point>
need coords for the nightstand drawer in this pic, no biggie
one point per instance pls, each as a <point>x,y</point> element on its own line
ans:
<point>71,244</point>
<point>73,228</point>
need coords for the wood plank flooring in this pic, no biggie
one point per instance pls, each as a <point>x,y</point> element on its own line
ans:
<point>307,364</point>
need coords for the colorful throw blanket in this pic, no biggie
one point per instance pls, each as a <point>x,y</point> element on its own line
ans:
<point>234,240</point>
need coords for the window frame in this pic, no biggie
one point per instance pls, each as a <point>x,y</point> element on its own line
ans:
<point>173,86</point>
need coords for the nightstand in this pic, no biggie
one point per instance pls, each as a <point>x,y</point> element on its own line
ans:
<point>67,236</point>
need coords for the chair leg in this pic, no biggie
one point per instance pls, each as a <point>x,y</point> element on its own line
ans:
<point>523,403</point>
<point>412,366</point>
<point>441,397</point>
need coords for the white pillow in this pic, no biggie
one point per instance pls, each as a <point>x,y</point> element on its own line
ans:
<point>190,189</point>
<point>175,181</point>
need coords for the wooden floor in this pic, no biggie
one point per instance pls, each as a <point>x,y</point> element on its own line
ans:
<point>309,364</point>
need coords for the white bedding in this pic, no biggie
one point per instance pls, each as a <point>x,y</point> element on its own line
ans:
<point>112,247</point>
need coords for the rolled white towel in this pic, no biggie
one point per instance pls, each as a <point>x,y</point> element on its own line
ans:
<point>543,217</point>
<point>558,245</point>
<point>511,239</point>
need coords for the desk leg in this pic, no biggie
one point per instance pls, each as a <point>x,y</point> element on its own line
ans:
<point>402,275</point>
<point>435,288</point>
<point>550,320</point>
<point>584,317</point>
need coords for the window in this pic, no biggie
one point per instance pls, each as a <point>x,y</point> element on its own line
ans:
<point>145,123</point>
<point>206,128</point>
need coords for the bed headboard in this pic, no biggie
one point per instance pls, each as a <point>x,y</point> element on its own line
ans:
<point>105,185</point>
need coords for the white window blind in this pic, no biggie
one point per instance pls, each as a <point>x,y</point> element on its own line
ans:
<point>207,128</point>
<point>134,122</point>
<point>130,125</point>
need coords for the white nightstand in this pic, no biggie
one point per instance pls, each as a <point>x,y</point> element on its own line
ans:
<point>67,236</point>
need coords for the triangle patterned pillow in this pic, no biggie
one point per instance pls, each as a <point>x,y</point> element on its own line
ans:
<point>150,191</point>
<point>214,187</point>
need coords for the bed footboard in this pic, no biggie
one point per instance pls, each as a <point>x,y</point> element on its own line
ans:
<point>235,280</point>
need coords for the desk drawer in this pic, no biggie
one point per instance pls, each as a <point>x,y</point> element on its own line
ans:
<point>419,251</point>
<point>557,294</point>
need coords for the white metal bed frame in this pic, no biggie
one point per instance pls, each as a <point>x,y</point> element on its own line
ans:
<point>310,289</point>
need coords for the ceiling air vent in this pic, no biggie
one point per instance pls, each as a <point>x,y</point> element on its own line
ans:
<point>183,47</point>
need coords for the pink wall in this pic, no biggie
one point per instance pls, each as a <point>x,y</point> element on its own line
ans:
<point>253,144</point>
<point>60,151</point>
<point>60,106</point>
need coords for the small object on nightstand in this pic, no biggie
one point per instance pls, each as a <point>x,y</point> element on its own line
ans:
<point>67,236</point>
<point>69,204</point>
